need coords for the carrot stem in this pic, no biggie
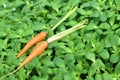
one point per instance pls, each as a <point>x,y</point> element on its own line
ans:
<point>65,17</point>
<point>68,31</point>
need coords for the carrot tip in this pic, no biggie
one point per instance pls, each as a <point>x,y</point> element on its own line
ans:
<point>18,56</point>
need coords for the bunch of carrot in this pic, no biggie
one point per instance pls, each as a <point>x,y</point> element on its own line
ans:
<point>42,45</point>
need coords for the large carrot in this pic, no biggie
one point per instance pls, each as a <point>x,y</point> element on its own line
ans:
<point>40,48</point>
<point>37,38</point>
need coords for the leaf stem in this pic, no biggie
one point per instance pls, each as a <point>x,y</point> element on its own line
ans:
<point>68,31</point>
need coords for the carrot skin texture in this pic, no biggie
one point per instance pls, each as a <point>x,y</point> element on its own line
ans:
<point>39,49</point>
<point>37,38</point>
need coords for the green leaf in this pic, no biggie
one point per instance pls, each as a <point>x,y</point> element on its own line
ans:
<point>112,20</point>
<point>115,26</point>
<point>104,54</point>
<point>110,14</point>
<point>79,68</point>
<point>114,58</point>
<point>74,3</point>
<point>93,68</point>
<point>71,44</point>
<point>99,31</point>
<point>69,58</point>
<point>59,62</point>
<point>107,76</point>
<point>118,16</point>
<point>49,63</point>
<point>94,4</point>
<point>28,32</point>
<point>117,68</point>
<point>72,23</point>
<point>52,16</point>
<point>109,35</point>
<point>55,6</point>
<point>13,35</point>
<point>18,3</point>
<point>98,77</point>
<point>90,56</point>
<point>118,32</point>
<point>81,11</point>
<point>90,78</point>
<point>67,77</point>
<point>20,32</point>
<point>103,17</point>
<point>21,74</point>
<point>111,2</point>
<point>100,64</point>
<point>2,34</point>
<point>63,47</point>
<point>11,60</point>
<point>91,26</point>
<point>105,26</point>
<point>3,12</point>
<point>114,40</point>
<point>87,37</point>
<point>95,14</point>
<point>30,65</point>
<point>117,4</point>
<point>85,5</point>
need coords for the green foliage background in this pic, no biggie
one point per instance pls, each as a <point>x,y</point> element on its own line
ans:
<point>91,53</point>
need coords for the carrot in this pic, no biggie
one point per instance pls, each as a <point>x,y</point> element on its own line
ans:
<point>39,49</point>
<point>37,38</point>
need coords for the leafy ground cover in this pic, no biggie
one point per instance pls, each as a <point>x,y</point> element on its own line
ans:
<point>91,53</point>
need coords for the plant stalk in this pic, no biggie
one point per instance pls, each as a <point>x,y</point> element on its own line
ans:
<point>64,18</point>
<point>68,31</point>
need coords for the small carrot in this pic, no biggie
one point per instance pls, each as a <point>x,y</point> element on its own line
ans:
<point>40,48</point>
<point>37,38</point>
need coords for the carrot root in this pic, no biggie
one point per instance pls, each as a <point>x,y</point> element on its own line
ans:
<point>40,48</point>
<point>37,38</point>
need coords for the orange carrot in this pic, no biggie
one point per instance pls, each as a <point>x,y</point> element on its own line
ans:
<point>40,48</point>
<point>37,38</point>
